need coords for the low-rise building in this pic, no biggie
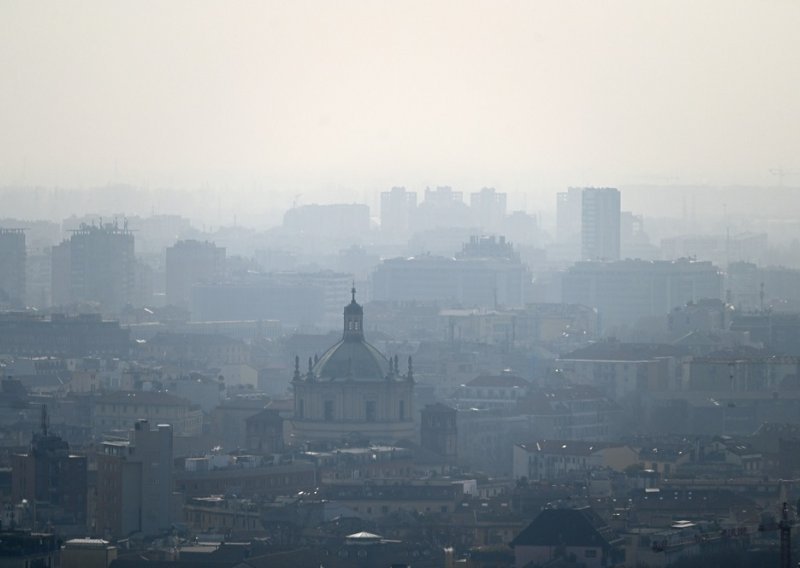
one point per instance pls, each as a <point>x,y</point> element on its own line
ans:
<point>378,498</point>
<point>551,459</point>
<point>492,391</point>
<point>121,410</point>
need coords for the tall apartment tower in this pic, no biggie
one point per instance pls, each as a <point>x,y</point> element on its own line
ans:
<point>134,483</point>
<point>600,223</point>
<point>192,262</point>
<point>96,264</point>
<point>489,208</point>
<point>397,209</point>
<point>12,267</point>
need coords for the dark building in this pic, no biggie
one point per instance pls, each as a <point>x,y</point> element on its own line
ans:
<point>96,264</point>
<point>23,549</point>
<point>60,335</point>
<point>265,432</point>
<point>12,267</point>
<point>439,432</point>
<point>565,533</point>
<point>52,480</point>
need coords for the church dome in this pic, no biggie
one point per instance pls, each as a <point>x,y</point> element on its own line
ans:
<point>352,357</point>
<point>352,360</point>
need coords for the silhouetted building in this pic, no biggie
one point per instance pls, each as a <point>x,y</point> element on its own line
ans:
<point>353,390</point>
<point>96,264</point>
<point>439,430</point>
<point>600,223</point>
<point>191,262</point>
<point>24,549</point>
<point>52,480</point>
<point>442,207</point>
<point>397,208</point>
<point>12,267</point>
<point>489,208</point>
<point>135,483</point>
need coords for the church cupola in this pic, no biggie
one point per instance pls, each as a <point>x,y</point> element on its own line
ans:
<point>353,320</point>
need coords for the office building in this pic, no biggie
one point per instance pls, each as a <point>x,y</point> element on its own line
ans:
<point>600,223</point>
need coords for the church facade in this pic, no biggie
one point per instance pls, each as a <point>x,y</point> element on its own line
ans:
<point>353,391</point>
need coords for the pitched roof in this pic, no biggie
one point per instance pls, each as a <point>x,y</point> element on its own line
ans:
<point>566,527</point>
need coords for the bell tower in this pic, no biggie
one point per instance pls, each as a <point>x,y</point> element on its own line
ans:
<point>353,320</point>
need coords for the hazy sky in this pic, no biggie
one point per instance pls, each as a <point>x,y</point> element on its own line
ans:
<point>365,95</point>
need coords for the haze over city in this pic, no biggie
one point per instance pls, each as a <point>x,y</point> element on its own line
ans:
<point>399,284</point>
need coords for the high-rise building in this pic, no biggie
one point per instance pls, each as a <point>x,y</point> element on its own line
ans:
<point>12,267</point>
<point>397,208</point>
<point>600,223</point>
<point>96,264</point>
<point>134,483</point>
<point>489,208</point>
<point>192,262</point>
